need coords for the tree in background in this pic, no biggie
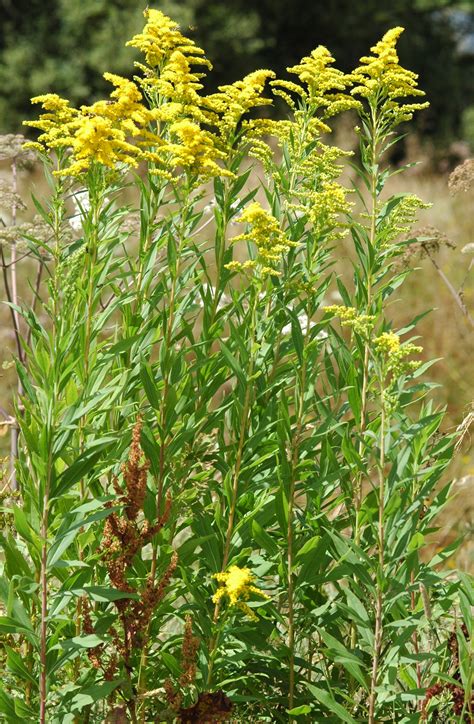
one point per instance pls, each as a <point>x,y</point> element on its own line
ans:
<point>62,46</point>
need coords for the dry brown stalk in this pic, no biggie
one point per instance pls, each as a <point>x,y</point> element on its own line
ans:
<point>126,533</point>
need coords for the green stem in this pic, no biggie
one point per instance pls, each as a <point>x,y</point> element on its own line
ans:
<point>235,480</point>
<point>156,199</point>
<point>92,245</point>
<point>164,440</point>
<point>43,576</point>
<point>44,593</point>
<point>379,579</point>
<point>357,497</point>
<point>300,391</point>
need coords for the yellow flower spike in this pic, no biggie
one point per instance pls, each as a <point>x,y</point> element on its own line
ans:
<point>179,86</point>
<point>325,86</point>
<point>233,101</point>
<point>401,218</point>
<point>360,323</point>
<point>125,107</point>
<point>193,149</point>
<point>265,232</point>
<point>237,586</point>
<point>97,133</point>
<point>387,343</point>
<point>381,78</point>
<point>54,123</point>
<point>389,347</point>
<point>97,141</point>
<point>161,37</point>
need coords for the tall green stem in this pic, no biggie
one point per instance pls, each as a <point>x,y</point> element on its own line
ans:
<point>300,391</point>
<point>379,579</point>
<point>45,503</point>
<point>235,477</point>
<point>162,420</point>
<point>357,498</point>
<point>44,591</point>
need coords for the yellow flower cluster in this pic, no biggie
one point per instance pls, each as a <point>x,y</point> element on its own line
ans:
<point>389,347</point>
<point>193,149</point>
<point>265,232</point>
<point>175,91</point>
<point>360,323</point>
<point>312,171</point>
<point>237,585</point>
<point>233,101</point>
<point>125,106</point>
<point>325,208</point>
<point>96,140</point>
<point>325,86</point>
<point>97,133</point>
<point>382,79</point>
<point>92,139</point>
<point>161,37</point>
<point>401,219</point>
<point>173,133</point>
<point>256,130</point>
<point>103,132</point>
<point>58,114</point>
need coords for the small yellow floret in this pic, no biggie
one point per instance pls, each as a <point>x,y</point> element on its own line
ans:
<point>325,86</point>
<point>193,149</point>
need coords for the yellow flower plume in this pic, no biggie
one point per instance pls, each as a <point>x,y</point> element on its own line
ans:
<point>233,101</point>
<point>265,232</point>
<point>389,347</point>
<point>324,87</point>
<point>382,79</point>
<point>161,37</point>
<point>237,585</point>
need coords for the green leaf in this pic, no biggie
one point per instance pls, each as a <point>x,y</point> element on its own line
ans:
<point>297,710</point>
<point>16,665</point>
<point>465,660</point>
<point>281,505</point>
<point>326,699</point>
<point>92,694</point>
<point>466,610</point>
<point>417,541</point>
<point>103,593</point>
<point>7,707</point>
<point>15,561</point>
<point>24,528</point>
<point>171,663</point>
<point>149,385</point>
<point>64,540</point>
<point>310,557</point>
<point>87,642</point>
<point>263,539</point>
<point>297,337</point>
<point>339,654</point>
<point>11,626</point>
<point>82,465</point>
<point>124,345</point>
<point>233,363</point>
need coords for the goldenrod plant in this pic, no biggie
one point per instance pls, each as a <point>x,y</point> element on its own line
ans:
<point>226,480</point>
